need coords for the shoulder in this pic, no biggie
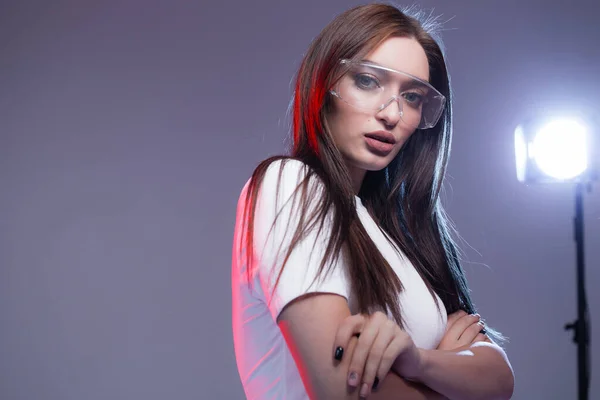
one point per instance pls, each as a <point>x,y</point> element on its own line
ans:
<point>288,170</point>
<point>284,178</point>
<point>280,186</point>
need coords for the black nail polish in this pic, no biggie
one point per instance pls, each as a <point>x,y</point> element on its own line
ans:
<point>376,383</point>
<point>339,352</point>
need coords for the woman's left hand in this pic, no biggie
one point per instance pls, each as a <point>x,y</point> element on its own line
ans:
<point>462,329</point>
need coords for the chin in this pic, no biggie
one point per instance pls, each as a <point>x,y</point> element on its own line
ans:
<point>376,165</point>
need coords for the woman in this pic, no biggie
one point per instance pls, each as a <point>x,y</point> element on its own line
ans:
<point>345,280</point>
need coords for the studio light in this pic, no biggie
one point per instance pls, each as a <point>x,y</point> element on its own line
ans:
<point>554,150</point>
<point>563,150</point>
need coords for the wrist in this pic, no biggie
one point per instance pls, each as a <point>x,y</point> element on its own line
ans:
<point>416,372</point>
<point>420,373</point>
<point>425,360</point>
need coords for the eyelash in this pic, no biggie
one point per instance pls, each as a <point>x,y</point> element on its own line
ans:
<point>372,79</point>
<point>357,77</point>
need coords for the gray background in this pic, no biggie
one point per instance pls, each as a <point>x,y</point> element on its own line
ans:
<point>127,130</point>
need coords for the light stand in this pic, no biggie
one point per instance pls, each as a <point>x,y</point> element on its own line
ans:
<point>580,327</point>
<point>553,151</point>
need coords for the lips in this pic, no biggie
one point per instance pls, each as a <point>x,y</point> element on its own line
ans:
<point>380,142</point>
<point>382,136</point>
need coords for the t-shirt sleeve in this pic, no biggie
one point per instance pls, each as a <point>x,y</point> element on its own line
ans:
<point>276,219</point>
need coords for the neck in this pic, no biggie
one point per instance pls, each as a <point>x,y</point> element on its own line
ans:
<point>357,175</point>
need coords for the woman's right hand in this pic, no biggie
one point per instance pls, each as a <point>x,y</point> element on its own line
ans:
<point>380,343</point>
<point>462,330</point>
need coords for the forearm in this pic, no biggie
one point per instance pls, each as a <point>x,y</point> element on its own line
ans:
<point>394,387</point>
<point>480,371</point>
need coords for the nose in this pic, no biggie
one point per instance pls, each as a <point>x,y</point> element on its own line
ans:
<point>391,112</point>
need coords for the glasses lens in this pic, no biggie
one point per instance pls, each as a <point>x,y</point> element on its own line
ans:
<point>372,88</point>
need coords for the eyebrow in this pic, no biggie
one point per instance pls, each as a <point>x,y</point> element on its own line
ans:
<point>383,66</point>
<point>373,62</point>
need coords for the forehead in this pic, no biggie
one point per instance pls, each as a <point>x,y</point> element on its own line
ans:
<point>402,54</point>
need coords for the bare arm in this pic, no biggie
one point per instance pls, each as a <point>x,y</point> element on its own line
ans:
<point>477,371</point>
<point>309,325</point>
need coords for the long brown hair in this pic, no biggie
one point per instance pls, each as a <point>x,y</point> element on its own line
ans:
<point>403,198</point>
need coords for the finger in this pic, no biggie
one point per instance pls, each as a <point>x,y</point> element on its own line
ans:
<point>480,338</point>
<point>461,324</point>
<point>385,336</point>
<point>394,349</point>
<point>363,347</point>
<point>349,327</point>
<point>469,334</point>
<point>452,318</point>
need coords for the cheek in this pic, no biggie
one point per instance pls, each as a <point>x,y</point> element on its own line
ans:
<point>344,122</point>
<point>404,136</point>
<point>407,133</point>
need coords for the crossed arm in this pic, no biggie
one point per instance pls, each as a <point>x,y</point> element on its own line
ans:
<point>477,371</point>
<point>309,325</point>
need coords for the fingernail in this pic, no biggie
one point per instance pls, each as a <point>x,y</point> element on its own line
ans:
<point>375,383</point>
<point>364,390</point>
<point>339,352</point>
<point>481,323</point>
<point>353,379</point>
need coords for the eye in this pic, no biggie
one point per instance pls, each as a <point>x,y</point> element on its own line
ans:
<point>415,99</point>
<point>365,81</point>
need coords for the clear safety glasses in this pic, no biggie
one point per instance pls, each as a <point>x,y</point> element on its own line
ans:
<point>371,87</point>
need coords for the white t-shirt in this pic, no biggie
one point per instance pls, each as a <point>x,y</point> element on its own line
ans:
<point>265,364</point>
